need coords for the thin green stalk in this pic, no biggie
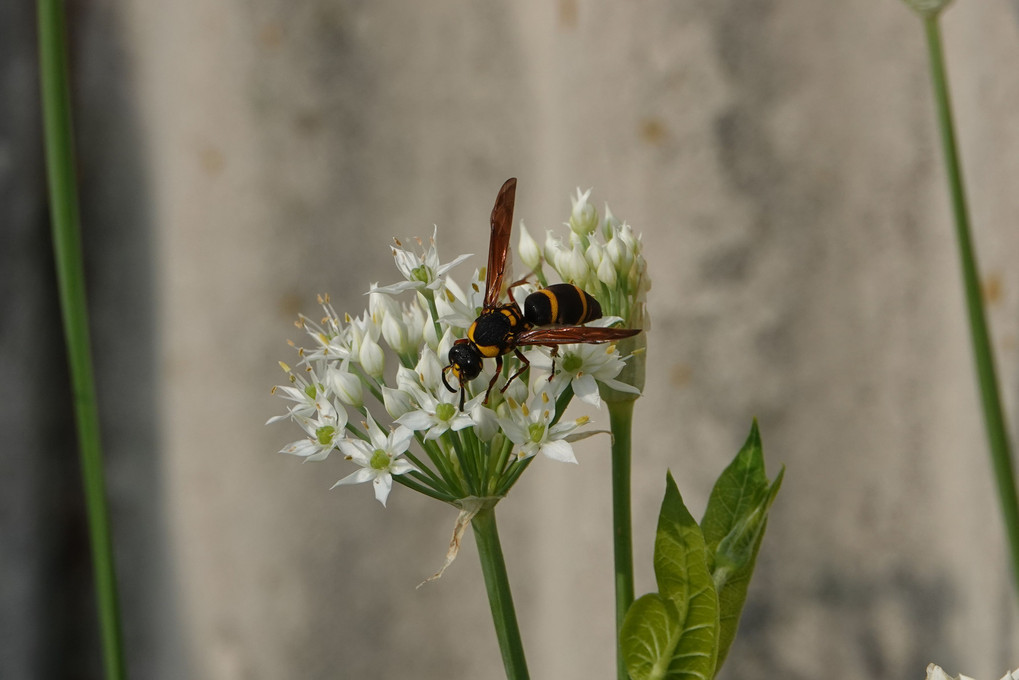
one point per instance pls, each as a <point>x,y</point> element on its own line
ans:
<point>621,424</point>
<point>60,166</point>
<point>994,419</point>
<point>422,488</point>
<point>493,566</point>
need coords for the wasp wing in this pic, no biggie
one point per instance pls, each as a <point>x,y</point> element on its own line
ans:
<point>563,335</point>
<point>498,245</point>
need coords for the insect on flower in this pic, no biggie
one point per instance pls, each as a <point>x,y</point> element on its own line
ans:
<point>551,316</point>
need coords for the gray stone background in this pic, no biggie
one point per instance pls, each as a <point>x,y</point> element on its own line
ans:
<point>780,158</point>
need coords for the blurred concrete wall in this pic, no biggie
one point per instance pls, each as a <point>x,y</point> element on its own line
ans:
<point>779,156</point>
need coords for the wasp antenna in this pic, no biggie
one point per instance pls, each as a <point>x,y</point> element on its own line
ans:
<point>446,383</point>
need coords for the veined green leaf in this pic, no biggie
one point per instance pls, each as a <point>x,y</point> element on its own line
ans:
<point>740,488</point>
<point>734,524</point>
<point>649,636</point>
<point>674,633</point>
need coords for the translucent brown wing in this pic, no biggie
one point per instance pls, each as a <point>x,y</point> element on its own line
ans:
<point>562,335</point>
<point>498,245</point>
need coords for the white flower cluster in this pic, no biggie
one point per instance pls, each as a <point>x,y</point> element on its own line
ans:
<point>601,255</point>
<point>341,386</point>
<point>606,258</point>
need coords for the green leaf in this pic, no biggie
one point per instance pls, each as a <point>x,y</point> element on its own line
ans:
<point>739,489</point>
<point>733,525</point>
<point>649,636</point>
<point>674,633</point>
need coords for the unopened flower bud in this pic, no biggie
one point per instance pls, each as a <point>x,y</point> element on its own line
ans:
<point>486,425</point>
<point>372,358</point>
<point>395,333</point>
<point>528,250</point>
<point>608,225</point>
<point>607,273</point>
<point>346,386</point>
<point>584,219</point>
<point>615,250</point>
<point>553,248</point>
<point>575,266</point>
<point>397,402</point>
<point>429,371</point>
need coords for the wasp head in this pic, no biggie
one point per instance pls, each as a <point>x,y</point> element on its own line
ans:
<point>465,363</point>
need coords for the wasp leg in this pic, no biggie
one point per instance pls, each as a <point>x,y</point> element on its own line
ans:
<point>526,365</point>
<point>498,371</point>
<point>554,354</point>
<point>463,395</point>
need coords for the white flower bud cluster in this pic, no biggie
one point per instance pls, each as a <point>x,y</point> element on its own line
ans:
<point>601,255</point>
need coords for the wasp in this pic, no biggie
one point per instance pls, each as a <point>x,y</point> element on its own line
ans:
<point>551,316</point>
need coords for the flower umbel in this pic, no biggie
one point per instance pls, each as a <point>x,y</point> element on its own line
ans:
<point>401,425</point>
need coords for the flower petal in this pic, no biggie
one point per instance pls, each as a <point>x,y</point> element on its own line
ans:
<point>586,389</point>
<point>357,450</point>
<point>559,450</point>
<point>416,420</point>
<point>357,477</point>
<point>383,485</point>
<point>399,441</point>
<point>401,466</point>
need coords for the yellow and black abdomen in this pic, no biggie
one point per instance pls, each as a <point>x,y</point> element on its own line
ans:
<point>560,303</point>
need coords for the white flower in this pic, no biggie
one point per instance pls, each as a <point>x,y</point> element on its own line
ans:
<point>380,458</point>
<point>331,336</point>
<point>458,308</point>
<point>528,427</point>
<point>325,432</point>
<point>437,409</point>
<point>585,365</point>
<point>302,392</point>
<point>420,271</point>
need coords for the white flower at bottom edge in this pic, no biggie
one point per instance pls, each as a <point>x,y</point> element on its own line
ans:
<point>527,426</point>
<point>379,458</point>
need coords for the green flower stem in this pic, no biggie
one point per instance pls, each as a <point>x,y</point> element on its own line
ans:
<point>994,419</point>
<point>56,106</point>
<point>493,566</point>
<point>422,488</point>
<point>621,424</point>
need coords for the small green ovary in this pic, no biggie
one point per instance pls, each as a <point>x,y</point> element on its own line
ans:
<point>380,460</point>
<point>536,431</point>
<point>445,412</point>
<point>572,363</point>
<point>422,274</point>
<point>324,434</point>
